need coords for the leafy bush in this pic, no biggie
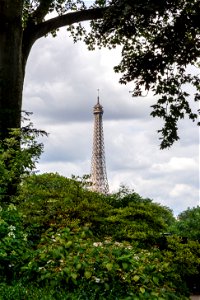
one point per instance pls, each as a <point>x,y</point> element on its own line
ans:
<point>141,221</point>
<point>53,200</point>
<point>19,291</point>
<point>18,156</point>
<point>13,243</point>
<point>188,224</point>
<point>184,256</point>
<point>62,241</point>
<point>71,260</point>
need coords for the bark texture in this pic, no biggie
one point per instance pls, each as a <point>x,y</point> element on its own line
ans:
<point>11,73</point>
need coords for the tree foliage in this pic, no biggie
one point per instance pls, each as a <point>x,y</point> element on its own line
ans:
<point>19,154</point>
<point>188,224</point>
<point>103,270</point>
<point>13,243</point>
<point>51,200</point>
<point>160,42</point>
<point>62,240</point>
<point>59,239</point>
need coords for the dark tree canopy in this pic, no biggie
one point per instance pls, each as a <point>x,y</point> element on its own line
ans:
<point>160,39</point>
<point>188,225</point>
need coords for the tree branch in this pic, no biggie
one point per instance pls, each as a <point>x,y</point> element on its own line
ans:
<point>42,10</point>
<point>68,19</point>
<point>36,31</point>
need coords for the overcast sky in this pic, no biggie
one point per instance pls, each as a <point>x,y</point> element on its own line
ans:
<point>61,85</point>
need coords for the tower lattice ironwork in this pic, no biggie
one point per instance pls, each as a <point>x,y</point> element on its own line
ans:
<point>98,168</point>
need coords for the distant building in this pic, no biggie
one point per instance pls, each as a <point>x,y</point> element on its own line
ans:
<point>98,168</point>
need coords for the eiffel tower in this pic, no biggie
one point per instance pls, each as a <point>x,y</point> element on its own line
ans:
<point>98,167</point>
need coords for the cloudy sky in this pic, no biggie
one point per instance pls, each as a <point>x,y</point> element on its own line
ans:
<point>61,85</point>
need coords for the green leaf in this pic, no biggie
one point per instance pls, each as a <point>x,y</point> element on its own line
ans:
<point>109,266</point>
<point>107,287</point>
<point>155,280</point>
<point>87,274</point>
<point>78,266</point>
<point>125,266</point>
<point>136,278</point>
<point>68,244</point>
<point>142,290</point>
<point>74,275</point>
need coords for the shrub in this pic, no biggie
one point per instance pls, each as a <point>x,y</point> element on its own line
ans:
<point>72,260</point>
<point>53,200</point>
<point>188,224</point>
<point>13,243</point>
<point>18,156</point>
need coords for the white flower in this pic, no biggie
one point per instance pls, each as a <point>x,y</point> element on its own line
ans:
<point>11,234</point>
<point>97,244</point>
<point>118,244</point>
<point>129,247</point>
<point>49,261</point>
<point>12,228</point>
<point>136,257</point>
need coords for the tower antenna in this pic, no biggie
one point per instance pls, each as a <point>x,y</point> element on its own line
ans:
<point>97,96</point>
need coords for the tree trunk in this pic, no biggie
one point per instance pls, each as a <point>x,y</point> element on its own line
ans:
<point>11,69</point>
<point>11,77</point>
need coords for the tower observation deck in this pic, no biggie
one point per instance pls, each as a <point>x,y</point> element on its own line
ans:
<point>98,167</point>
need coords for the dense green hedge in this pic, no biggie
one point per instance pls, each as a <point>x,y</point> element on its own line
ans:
<point>58,240</point>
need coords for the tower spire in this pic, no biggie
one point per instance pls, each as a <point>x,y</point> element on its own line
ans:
<point>97,96</point>
<point>98,167</point>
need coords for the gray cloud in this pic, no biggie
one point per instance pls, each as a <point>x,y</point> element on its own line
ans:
<point>62,82</point>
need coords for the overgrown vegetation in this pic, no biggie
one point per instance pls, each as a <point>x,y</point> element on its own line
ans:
<point>59,240</point>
